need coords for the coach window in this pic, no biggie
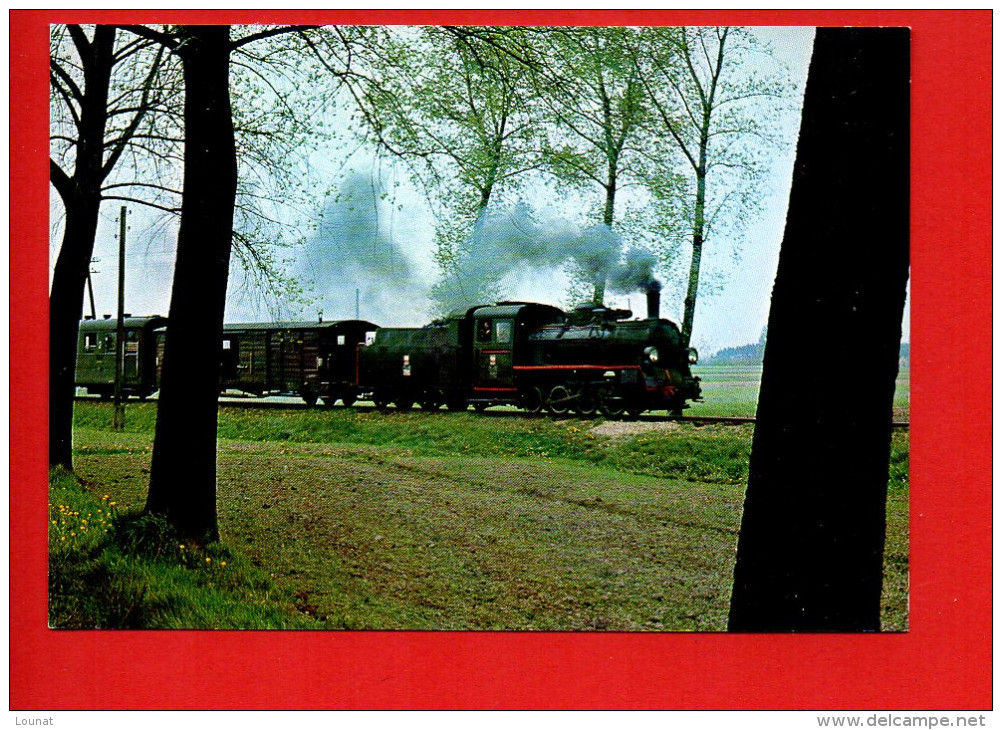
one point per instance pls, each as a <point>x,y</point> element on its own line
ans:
<point>90,341</point>
<point>484,330</point>
<point>502,332</point>
<point>109,342</point>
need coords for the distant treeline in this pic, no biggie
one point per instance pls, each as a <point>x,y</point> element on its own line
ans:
<point>752,355</point>
<point>741,355</point>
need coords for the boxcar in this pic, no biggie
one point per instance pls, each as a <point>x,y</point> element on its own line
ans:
<point>311,359</point>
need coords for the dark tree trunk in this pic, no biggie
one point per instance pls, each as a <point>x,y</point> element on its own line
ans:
<point>183,474</point>
<point>81,196</point>
<point>65,310</point>
<point>810,554</point>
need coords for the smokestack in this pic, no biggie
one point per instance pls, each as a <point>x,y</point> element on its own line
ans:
<point>653,303</point>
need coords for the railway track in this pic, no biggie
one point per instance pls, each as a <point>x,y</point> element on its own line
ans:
<point>294,404</point>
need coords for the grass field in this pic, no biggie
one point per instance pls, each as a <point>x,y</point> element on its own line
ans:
<point>365,520</point>
<point>732,390</point>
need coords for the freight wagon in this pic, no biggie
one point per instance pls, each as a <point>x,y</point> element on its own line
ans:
<point>308,359</point>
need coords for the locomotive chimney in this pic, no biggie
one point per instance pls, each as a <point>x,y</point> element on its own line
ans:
<point>653,303</point>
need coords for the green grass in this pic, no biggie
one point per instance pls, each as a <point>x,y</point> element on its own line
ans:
<point>111,567</point>
<point>732,390</point>
<point>717,454</point>
<point>361,539</point>
<point>728,390</point>
<point>366,520</point>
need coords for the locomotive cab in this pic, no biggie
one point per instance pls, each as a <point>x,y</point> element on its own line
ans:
<point>500,343</point>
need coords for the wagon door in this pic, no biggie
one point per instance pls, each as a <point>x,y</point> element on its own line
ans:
<point>492,347</point>
<point>130,358</point>
<point>284,354</point>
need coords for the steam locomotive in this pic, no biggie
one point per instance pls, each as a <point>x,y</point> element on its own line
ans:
<point>533,356</point>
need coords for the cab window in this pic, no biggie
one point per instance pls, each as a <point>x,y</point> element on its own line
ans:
<point>502,332</point>
<point>484,330</point>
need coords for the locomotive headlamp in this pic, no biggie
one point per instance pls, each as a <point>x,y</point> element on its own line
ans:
<point>651,353</point>
<point>693,356</point>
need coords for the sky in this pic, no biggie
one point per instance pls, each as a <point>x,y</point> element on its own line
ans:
<point>358,235</point>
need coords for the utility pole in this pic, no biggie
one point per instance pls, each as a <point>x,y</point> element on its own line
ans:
<point>118,420</point>
<point>90,288</point>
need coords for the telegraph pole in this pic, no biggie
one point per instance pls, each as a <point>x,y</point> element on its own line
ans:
<point>118,421</point>
<point>90,289</point>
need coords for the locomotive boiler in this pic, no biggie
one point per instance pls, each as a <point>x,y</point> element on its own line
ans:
<point>601,360</point>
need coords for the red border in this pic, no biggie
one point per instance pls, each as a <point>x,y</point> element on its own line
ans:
<point>943,663</point>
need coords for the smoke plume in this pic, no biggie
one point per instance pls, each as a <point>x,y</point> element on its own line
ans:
<point>353,249</point>
<point>510,242</point>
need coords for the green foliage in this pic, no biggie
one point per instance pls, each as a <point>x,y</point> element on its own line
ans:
<point>594,115</point>
<point>486,116</point>
<point>450,103</point>
<point>114,568</point>
<point>715,97</point>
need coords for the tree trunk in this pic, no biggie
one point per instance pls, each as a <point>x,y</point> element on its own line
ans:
<point>810,553</point>
<point>81,196</point>
<point>698,224</point>
<point>608,214</point>
<point>65,311</point>
<point>183,474</point>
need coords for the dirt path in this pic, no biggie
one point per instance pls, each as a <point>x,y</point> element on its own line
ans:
<point>632,428</point>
